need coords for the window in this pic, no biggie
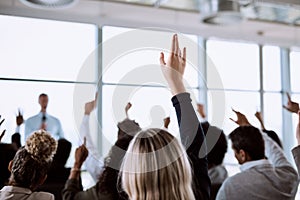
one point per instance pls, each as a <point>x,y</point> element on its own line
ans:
<point>45,56</point>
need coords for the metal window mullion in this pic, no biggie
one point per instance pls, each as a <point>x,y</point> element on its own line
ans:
<point>261,80</point>
<point>202,74</point>
<point>98,66</point>
<point>287,127</point>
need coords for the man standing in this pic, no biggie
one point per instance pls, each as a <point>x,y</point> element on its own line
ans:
<point>44,121</point>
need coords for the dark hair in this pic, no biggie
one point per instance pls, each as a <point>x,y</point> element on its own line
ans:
<point>43,95</point>
<point>249,139</point>
<point>27,172</point>
<point>62,153</point>
<point>273,135</point>
<point>108,180</point>
<point>217,153</point>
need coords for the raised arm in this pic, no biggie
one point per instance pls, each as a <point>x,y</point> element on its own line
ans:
<point>192,136</point>
<point>3,132</point>
<point>296,150</point>
<point>291,105</point>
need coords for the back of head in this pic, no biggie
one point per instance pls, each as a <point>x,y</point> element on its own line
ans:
<point>62,153</point>
<point>156,167</point>
<point>249,139</point>
<point>217,153</point>
<point>108,180</point>
<point>31,163</point>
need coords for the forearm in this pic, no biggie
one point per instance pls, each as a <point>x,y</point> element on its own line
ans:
<point>274,153</point>
<point>191,133</point>
<point>296,154</point>
<point>71,189</point>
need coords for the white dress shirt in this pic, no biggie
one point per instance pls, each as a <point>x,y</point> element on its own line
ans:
<point>53,125</point>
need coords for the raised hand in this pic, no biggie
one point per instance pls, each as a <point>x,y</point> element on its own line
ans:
<point>19,118</point>
<point>81,154</point>
<point>291,106</point>
<point>258,115</point>
<point>173,69</point>
<point>3,132</point>
<point>167,122</point>
<point>127,107</point>
<point>241,119</point>
<point>200,109</point>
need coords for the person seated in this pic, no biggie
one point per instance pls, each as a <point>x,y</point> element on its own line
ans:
<point>58,174</point>
<point>7,153</point>
<point>29,168</point>
<point>260,178</point>
<point>293,107</point>
<point>217,147</point>
<point>156,165</point>
<point>107,183</point>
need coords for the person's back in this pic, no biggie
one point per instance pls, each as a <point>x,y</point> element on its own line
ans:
<point>29,168</point>
<point>260,178</point>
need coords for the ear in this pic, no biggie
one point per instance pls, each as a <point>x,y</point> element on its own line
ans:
<point>243,155</point>
<point>10,164</point>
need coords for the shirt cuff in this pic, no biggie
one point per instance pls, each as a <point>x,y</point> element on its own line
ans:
<point>17,129</point>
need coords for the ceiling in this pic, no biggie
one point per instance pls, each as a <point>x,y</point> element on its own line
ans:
<point>274,22</point>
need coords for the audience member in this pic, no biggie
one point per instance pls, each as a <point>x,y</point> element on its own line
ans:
<point>29,168</point>
<point>107,174</point>
<point>44,121</point>
<point>217,147</point>
<point>156,165</point>
<point>293,107</point>
<point>259,178</point>
<point>58,174</point>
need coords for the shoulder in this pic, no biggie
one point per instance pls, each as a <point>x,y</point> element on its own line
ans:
<point>53,118</point>
<point>41,195</point>
<point>31,118</point>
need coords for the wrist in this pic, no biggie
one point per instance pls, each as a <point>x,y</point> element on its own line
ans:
<point>77,165</point>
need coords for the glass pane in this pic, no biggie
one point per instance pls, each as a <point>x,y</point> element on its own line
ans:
<point>271,68</point>
<point>62,104</point>
<point>149,107</point>
<point>273,112</point>
<point>236,63</point>
<point>45,49</point>
<point>137,61</point>
<point>295,70</point>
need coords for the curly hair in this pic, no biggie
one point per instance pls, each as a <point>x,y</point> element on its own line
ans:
<point>31,163</point>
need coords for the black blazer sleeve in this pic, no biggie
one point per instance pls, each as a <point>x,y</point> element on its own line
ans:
<point>192,137</point>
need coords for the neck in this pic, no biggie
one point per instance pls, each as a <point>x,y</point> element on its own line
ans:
<point>43,110</point>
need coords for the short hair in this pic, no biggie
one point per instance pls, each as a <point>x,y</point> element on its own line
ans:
<point>62,153</point>
<point>31,163</point>
<point>249,139</point>
<point>217,153</point>
<point>156,166</point>
<point>43,95</point>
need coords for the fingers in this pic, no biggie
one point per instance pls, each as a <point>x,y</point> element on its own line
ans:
<point>173,47</point>
<point>184,55</point>
<point>288,96</point>
<point>162,59</point>
<point>287,108</point>
<point>84,141</point>
<point>233,120</point>
<point>2,134</point>
<point>1,121</point>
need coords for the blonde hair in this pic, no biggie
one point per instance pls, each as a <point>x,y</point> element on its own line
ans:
<point>156,166</point>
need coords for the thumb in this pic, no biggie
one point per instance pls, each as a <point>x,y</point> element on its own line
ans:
<point>162,59</point>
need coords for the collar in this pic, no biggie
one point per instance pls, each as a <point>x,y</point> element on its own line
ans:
<point>254,163</point>
<point>15,189</point>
